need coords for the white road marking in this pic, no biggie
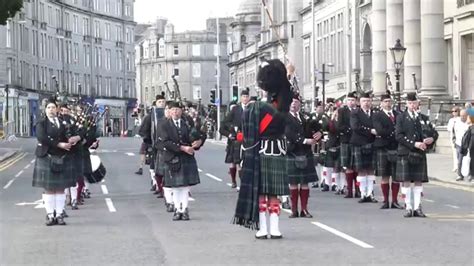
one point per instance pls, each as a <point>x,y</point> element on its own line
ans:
<point>130,154</point>
<point>104,189</point>
<point>13,180</point>
<point>452,206</point>
<point>199,170</point>
<point>103,180</point>
<point>191,199</point>
<point>342,235</point>
<point>27,166</point>
<point>32,161</point>
<point>9,183</point>
<point>214,177</point>
<point>19,174</point>
<point>110,205</point>
<point>428,200</point>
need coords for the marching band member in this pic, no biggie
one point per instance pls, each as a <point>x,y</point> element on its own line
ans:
<point>346,154</point>
<point>385,146</point>
<point>181,170</point>
<point>53,165</point>
<point>167,190</point>
<point>332,158</point>
<point>301,168</point>
<point>231,126</point>
<point>362,138</point>
<point>411,163</point>
<point>264,174</point>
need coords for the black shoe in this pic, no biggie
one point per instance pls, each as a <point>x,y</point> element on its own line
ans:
<point>333,188</point>
<point>408,214</point>
<point>139,172</point>
<point>325,188</point>
<point>159,195</point>
<point>177,216</point>
<point>185,215</point>
<point>64,214</point>
<point>153,188</point>
<point>234,185</point>
<point>460,178</point>
<point>50,220</point>
<point>74,205</point>
<point>276,237</point>
<point>87,194</point>
<point>315,185</point>
<point>286,205</point>
<point>170,208</point>
<point>348,196</point>
<point>261,237</point>
<point>395,205</point>
<point>372,199</point>
<point>305,214</point>
<point>357,194</point>
<point>385,205</point>
<point>60,220</point>
<point>294,214</point>
<point>419,213</point>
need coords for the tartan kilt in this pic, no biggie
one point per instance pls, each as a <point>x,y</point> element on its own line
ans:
<point>301,176</point>
<point>407,172</point>
<point>233,152</point>
<point>273,175</point>
<point>77,163</point>
<point>187,175</point>
<point>332,159</point>
<point>43,176</point>
<point>159,164</point>
<point>361,161</point>
<point>382,166</point>
<point>346,158</point>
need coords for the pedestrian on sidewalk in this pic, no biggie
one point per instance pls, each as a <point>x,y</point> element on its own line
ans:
<point>460,128</point>
<point>53,165</point>
<point>452,121</point>
<point>467,147</point>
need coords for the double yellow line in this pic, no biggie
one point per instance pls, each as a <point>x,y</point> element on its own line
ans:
<point>11,161</point>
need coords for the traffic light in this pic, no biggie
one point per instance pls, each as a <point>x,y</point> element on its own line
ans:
<point>213,96</point>
<point>235,93</point>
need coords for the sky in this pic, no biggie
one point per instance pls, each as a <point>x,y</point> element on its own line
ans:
<point>184,14</point>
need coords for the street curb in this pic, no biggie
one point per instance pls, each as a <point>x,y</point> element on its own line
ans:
<point>8,156</point>
<point>462,183</point>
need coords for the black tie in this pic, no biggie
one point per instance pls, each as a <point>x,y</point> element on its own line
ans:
<point>177,123</point>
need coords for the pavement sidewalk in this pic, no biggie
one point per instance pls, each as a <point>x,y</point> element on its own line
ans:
<point>440,168</point>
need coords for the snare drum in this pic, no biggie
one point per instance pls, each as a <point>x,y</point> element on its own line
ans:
<point>98,170</point>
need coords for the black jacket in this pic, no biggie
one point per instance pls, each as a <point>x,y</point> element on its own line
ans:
<point>344,124</point>
<point>233,119</point>
<point>361,125</point>
<point>408,131</point>
<point>49,135</point>
<point>295,136</point>
<point>385,130</point>
<point>172,138</point>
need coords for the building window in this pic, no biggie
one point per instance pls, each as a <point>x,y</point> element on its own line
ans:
<point>161,48</point>
<point>129,62</point>
<point>107,6</point>
<point>175,49</point>
<point>119,8</point>
<point>196,92</point>
<point>118,36</point>
<point>107,31</point>
<point>292,31</point>
<point>85,26</point>
<point>127,10</point>
<point>76,53</point>
<point>196,70</point>
<point>9,34</point>
<point>107,59</point>
<point>196,50</point>
<point>97,29</point>
<point>75,27</point>
<point>176,70</point>
<point>127,35</point>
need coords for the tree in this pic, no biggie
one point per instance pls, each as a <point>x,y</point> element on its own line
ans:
<point>8,9</point>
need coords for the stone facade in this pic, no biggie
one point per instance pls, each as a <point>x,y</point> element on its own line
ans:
<point>86,44</point>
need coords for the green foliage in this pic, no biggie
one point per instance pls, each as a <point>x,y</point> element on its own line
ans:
<point>8,9</point>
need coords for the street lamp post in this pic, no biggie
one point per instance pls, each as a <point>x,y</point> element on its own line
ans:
<point>6,111</point>
<point>398,53</point>
<point>324,82</point>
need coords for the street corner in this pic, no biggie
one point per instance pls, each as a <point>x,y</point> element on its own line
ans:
<point>9,158</point>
